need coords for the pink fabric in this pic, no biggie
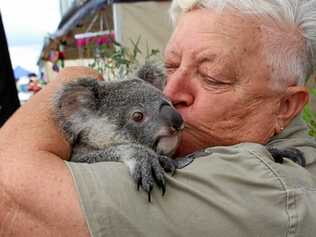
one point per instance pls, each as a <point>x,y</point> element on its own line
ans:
<point>98,40</point>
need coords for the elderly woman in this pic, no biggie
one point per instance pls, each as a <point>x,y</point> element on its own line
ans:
<point>236,72</point>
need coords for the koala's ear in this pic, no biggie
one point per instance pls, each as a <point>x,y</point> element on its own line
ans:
<point>74,104</point>
<point>153,73</point>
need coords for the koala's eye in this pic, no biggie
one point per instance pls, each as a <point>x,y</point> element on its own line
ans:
<point>138,116</point>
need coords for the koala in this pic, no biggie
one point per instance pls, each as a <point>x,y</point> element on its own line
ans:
<point>128,121</point>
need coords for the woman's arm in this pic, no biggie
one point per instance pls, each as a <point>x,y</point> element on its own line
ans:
<point>37,195</point>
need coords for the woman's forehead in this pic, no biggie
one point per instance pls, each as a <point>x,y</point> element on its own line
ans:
<point>205,29</point>
<point>207,41</point>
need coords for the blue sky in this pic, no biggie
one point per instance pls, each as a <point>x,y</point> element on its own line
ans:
<point>26,23</point>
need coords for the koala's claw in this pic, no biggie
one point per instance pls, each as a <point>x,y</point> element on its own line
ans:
<point>290,153</point>
<point>147,172</point>
<point>168,164</point>
<point>184,161</point>
<point>163,187</point>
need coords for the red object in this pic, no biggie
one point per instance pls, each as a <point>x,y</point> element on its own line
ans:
<point>99,40</point>
<point>34,87</point>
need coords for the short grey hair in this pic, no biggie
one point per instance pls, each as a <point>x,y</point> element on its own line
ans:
<point>293,65</point>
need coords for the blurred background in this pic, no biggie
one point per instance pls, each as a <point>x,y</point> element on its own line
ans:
<point>45,36</point>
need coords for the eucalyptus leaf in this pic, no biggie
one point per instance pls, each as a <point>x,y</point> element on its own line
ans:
<point>115,61</point>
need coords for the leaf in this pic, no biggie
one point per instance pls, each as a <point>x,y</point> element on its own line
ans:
<point>115,60</point>
<point>310,118</point>
<point>136,49</point>
<point>312,91</point>
<point>117,44</point>
<point>155,51</point>
<point>313,123</point>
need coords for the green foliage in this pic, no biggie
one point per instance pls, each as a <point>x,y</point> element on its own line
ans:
<point>115,61</point>
<point>312,91</point>
<point>309,116</point>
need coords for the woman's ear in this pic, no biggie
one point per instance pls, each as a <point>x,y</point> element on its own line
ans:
<point>292,104</point>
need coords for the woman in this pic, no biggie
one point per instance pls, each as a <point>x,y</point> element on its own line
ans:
<point>235,73</point>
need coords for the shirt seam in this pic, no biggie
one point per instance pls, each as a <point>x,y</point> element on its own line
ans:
<point>290,204</point>
<point>82,206</point>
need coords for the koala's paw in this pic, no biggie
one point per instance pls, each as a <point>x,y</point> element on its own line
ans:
<point>171,165</point>
<point>147,172</point>
<point>290,153</point>
<point>168,164</point>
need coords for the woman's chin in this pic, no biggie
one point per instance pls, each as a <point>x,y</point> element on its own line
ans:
<point>189,144</point>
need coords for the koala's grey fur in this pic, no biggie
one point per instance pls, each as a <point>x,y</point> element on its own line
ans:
<point>97,119</point>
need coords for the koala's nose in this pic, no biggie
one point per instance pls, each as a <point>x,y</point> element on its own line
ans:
<point>172,117</point>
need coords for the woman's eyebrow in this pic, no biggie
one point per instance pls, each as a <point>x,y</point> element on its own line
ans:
<point>172,53</point>
<point>206,57</point>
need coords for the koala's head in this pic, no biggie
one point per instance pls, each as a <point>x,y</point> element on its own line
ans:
<point>100,114</point>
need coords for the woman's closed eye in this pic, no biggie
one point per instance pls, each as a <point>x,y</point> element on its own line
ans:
<point>214,81</point>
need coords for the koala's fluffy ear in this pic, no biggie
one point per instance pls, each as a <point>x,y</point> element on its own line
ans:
<point>153,73</point>
<point>74,104</point>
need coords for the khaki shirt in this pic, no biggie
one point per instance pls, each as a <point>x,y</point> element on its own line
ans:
<point>235,191</point>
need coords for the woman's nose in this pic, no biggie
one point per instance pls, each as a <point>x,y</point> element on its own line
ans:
<point>178,90</point>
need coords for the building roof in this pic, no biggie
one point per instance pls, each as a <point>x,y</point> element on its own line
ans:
<point>78,20</point>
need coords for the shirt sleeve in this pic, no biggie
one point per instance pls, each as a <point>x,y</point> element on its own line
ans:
<point>235,191</point>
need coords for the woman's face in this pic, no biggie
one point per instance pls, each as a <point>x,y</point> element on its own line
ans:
<point>219,81</point>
